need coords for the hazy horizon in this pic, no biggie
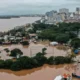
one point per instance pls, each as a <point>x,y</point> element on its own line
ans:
<point>22,7</point>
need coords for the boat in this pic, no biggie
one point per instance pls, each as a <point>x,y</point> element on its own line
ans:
<point>64,77</point>
<point>74,75</point>
<point>58,77</point>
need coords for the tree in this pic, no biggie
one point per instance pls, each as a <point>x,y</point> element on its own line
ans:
<point>62,38</point>
<point>16,52</point>
<point>7,50</point>
<point>43,51</point>
<point>62,60</point>
<point>47,34</point>
<point>2,64</point>
<point>8,63</point>
<point>51,60</point>
<point>75,43</point>
<point>40,58</point>
<point>16,66</point>
<point>27,62</point>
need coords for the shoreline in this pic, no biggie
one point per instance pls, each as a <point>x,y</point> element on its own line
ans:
<point>10,17</point>
<point>29,71</point>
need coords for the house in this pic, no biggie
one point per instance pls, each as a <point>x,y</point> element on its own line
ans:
<point>1,38</point>
<point>11,38</point>
<point>33,35</point>
<point>18,38</point>
<point>6,37</point>
<point>38,31</point>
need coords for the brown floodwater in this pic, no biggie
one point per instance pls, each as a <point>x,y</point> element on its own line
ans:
<point>31,50</point>
<point>8,24</point>
<point>46,72</point>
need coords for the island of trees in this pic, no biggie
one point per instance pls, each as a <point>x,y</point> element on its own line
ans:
<point>25,62</point>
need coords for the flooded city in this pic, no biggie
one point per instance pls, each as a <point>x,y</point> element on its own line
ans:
<point>39,40</point>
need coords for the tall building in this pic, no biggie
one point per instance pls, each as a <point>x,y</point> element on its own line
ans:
<point>77,10</point>
<point>51,13</point>
<point>63,16</point>
<point>64,13</point>
<point>64,10</point>
<point>53,17</point>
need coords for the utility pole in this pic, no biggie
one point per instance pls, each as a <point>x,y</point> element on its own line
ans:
<point>30,52</point>
<point>53,50</point>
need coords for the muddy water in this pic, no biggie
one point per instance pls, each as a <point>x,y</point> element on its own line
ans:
<point>32,49</point>
<point>42,73</point>
<point>8,24</point>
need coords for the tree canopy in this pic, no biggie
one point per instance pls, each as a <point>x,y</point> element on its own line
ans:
<point>16,52</point>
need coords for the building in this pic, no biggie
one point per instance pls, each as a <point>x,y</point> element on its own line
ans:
<point>63,16</point>
<point>64,10</point>
<point>6,37</point>
<point>77,10</point>
<point>64,13</point>
<point>53,17</point>
<point>51,13</point>
<point>72,21</point>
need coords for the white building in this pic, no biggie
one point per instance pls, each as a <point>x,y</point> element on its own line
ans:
<point>6,37</point>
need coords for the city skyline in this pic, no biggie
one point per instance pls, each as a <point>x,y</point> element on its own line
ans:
<point>21,7</point>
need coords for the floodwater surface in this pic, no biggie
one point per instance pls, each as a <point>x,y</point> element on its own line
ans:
<point>31,50</point>
<point>7,24</point>
<point>46,72</point>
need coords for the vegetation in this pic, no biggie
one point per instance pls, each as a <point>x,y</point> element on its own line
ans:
<point>33,62</point>
<point>51,60</point>
<point>16,52</point>
<point>62,32</point>
<point>43,51</point>
<point>75,43</point>
<point>8,64</point>
<point>7,50</point>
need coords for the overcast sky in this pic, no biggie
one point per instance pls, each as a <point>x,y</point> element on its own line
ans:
<point>9,7</point>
